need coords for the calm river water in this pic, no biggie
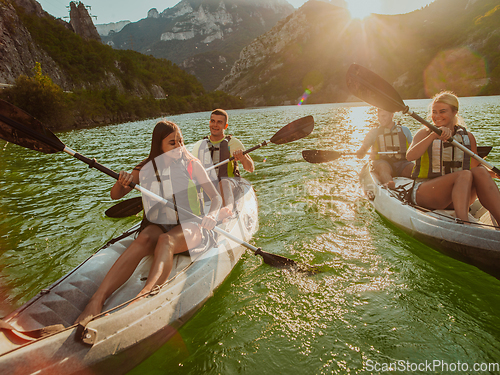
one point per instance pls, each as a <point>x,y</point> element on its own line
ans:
<point>383,299</point>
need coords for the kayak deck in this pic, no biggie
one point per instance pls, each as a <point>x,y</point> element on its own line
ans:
<point>124,334</point>
<point>477,242</point>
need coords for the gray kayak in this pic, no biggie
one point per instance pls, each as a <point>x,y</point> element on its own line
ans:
<point>124,334</point>
<point>477,243</point>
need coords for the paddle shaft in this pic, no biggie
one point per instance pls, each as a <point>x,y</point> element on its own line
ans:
<point>451,140</point>
<point>92,163</point>
<point>378,152</point>
<point>265,143</point>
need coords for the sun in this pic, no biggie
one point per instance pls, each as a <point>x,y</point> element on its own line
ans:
<point>363,8</point>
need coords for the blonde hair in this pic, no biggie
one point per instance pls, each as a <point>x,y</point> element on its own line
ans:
<point>447,97</point>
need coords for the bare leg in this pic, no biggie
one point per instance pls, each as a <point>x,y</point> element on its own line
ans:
<point>122,269</point>
<point>179,239</point>
<point>441,192</point>
<point>407,171</point>
<point>487,191</point>
<point>228,199</point>
<point>384,173</point>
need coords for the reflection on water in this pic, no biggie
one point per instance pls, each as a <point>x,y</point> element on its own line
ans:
<point>382,296</point>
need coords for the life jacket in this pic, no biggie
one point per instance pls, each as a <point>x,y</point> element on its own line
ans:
<point>443,158</point>
<point>211,154</point>
<point>174,183</point>
<point>393,140</point>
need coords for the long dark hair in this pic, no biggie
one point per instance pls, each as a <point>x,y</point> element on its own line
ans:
<point>161,131</point>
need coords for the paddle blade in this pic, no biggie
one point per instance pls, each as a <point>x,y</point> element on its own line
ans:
<point>373,89</point>
<point>125,208</point>
<point>276,260</point>
<point>295,130</point>
<point>20,128</point>
<point>320,156</point>
<point>483,151</point>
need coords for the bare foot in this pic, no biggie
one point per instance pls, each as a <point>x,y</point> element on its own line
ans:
<point>92,309</point>
<point>143,293</point>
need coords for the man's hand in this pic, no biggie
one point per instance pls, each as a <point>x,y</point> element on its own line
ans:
<point>238,155</point>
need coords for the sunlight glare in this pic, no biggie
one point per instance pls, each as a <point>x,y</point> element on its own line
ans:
<point>363,8</point>
<point>360,121</point>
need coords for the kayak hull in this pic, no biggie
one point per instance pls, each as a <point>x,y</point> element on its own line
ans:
<point>477,244</point>
<point>125,334</point>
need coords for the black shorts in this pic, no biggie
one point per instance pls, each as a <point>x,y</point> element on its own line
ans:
<point>207,236</point>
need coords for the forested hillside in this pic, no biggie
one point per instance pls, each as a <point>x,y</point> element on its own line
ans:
<point>107,85</point>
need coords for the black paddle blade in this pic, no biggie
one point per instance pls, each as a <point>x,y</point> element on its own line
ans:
<point>276,260</point>
<point>125,208</point>
<point>295,130</point>
<point>20,128</point>
<point>373,89</point>
<point>483,151</point>
<point>320,156</point>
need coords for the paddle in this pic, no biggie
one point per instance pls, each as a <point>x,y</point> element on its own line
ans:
<point>20,128</point>
<point>325,156</point>
<point>293,131</point>
<point>125,208</point>
<point>374,90</point>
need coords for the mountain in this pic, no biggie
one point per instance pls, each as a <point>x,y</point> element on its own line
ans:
<point>107,85</point>
<point>449,44</point>
<point>204,37</point>
<point>79,61</point>
<point>104,29</point>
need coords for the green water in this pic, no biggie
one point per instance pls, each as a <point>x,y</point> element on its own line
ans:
<point>383,299</point>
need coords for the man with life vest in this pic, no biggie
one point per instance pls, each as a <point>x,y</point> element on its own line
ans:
<point>389,142</point>
<point>218,147</point>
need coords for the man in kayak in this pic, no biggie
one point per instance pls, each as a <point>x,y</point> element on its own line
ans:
<point>218,147</point>
<point>389,142</point>
<point>445,176</point>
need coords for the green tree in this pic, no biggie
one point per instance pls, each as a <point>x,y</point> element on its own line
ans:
<point>41,98</point>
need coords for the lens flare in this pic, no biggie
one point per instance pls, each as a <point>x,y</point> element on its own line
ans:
<point>304,97</point>
<point>459,70</point>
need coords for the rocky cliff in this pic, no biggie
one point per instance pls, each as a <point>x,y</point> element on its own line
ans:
<point>18,51</point>
<point>81,22</point>
<point>204,37</point>
<point>450,44</point>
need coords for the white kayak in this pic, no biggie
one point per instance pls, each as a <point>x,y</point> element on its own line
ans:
<point>123,335</point>
<point>477,243</point>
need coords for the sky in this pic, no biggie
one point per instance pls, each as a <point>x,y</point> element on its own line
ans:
<point>108,11</point>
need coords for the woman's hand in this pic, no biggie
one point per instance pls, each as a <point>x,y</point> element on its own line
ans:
<point>446,134</point>
<point>125,179</point>
<point>208,222</point>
